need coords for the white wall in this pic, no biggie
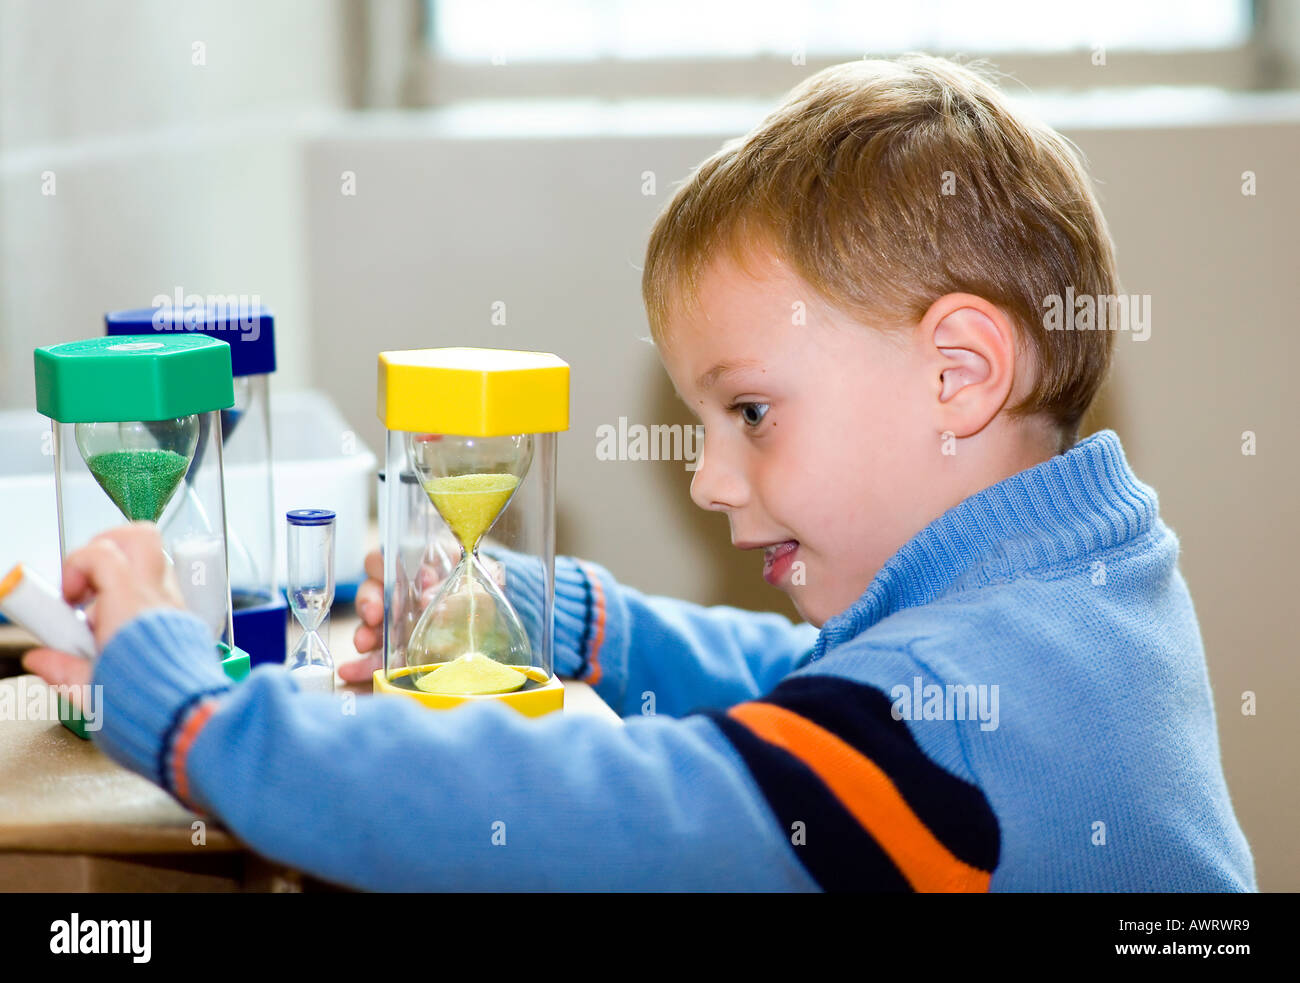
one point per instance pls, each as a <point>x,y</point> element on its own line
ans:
<point>1221,267</point>
<point>166,173</point>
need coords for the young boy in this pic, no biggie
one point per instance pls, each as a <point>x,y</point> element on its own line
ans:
<point>1008,689</point>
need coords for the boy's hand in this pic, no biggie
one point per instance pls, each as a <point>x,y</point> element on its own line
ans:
<point>369,636</point>
<point>119,574</point>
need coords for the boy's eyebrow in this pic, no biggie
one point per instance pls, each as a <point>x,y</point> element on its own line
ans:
<point>710,378</point>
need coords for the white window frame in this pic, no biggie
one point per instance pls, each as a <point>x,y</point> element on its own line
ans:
<point>436,81</point>
<point>442,81</point>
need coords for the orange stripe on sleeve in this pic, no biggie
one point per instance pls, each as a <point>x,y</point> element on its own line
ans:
<point>869,795</point>
<point>181,748</point>
<point>598,635</point>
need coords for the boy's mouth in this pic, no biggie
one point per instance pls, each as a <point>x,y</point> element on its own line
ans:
<point>777,560</point>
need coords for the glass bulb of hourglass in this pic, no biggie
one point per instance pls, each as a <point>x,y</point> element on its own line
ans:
<point>139,464</point>
<point>311,662</point>
<point>469,640</point>
<point>310,606</point>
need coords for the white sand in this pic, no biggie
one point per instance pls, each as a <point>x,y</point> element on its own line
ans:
<point>313,679</point>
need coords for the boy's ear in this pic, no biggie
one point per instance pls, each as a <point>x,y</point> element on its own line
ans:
<point>970,345</point>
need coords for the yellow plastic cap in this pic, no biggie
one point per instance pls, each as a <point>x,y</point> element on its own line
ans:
<point>474,392</point>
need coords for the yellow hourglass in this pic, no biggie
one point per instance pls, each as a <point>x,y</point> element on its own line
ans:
<point>476,430</point>
<point>469,641</point>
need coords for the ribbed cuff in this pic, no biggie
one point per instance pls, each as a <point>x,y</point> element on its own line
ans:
<point>525,585</point>
<point>574,617</point>
<point>153,672</point>
<point>592,621</point>
<point>586,610</point>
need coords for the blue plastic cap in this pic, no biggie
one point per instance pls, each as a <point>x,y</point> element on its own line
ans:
<point>248,328</point>
<point>309,517</point>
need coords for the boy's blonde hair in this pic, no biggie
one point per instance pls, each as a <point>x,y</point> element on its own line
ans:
<point>888,184</point>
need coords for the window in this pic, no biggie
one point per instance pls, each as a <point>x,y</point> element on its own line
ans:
<point>583,30</point>
<point>616,49</point>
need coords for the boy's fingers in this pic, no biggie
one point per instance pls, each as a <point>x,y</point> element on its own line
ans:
<point>87,570</point>
<point>367,639</point>
<point>142,545</point>
<point>359,670</point>
<point>431,575</point>
<point>375,565</point>
<point>370,603</point>
<point>136,547</point>
<point>58,668</point>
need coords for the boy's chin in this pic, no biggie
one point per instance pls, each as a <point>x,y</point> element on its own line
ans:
<point>817,608</point>
<point>807,608</point>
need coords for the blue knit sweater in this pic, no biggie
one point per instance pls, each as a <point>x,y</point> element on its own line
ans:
<point>1019,701</point>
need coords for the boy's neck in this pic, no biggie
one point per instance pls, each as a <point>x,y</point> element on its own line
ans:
<point>1003,448</point>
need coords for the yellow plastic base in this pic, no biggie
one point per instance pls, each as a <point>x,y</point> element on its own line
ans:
<point>531,703</point>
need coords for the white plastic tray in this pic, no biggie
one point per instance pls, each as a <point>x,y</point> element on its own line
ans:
<point>318,462</point>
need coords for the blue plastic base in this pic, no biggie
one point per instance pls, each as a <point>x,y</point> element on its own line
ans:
<point>261,631</point>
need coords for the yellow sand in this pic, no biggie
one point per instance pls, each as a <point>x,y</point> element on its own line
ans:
<point>473,674</point>
<point>471,502</point>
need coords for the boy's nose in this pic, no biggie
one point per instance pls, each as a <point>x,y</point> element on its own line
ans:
<point>717,486</point>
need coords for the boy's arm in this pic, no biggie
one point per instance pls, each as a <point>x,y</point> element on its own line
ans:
<point>647,654</point>
<point>812,787</point>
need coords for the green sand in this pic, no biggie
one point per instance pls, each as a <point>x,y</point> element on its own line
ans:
<point>140,483</point>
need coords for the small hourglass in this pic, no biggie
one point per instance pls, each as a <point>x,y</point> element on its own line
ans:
<point>310,586</point>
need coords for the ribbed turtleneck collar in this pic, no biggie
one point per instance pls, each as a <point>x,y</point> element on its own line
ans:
<point>1074,504</point>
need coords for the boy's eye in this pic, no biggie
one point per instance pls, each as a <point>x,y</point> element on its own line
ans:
<point>751,413</point>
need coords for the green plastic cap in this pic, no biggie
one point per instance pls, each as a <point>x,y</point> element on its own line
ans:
<point>158,377</point>
<point>234,661</point>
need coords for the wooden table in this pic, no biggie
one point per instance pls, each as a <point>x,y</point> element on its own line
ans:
<point>73,820</point>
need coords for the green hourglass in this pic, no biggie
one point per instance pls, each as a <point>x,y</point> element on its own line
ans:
<point>134,421</point>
